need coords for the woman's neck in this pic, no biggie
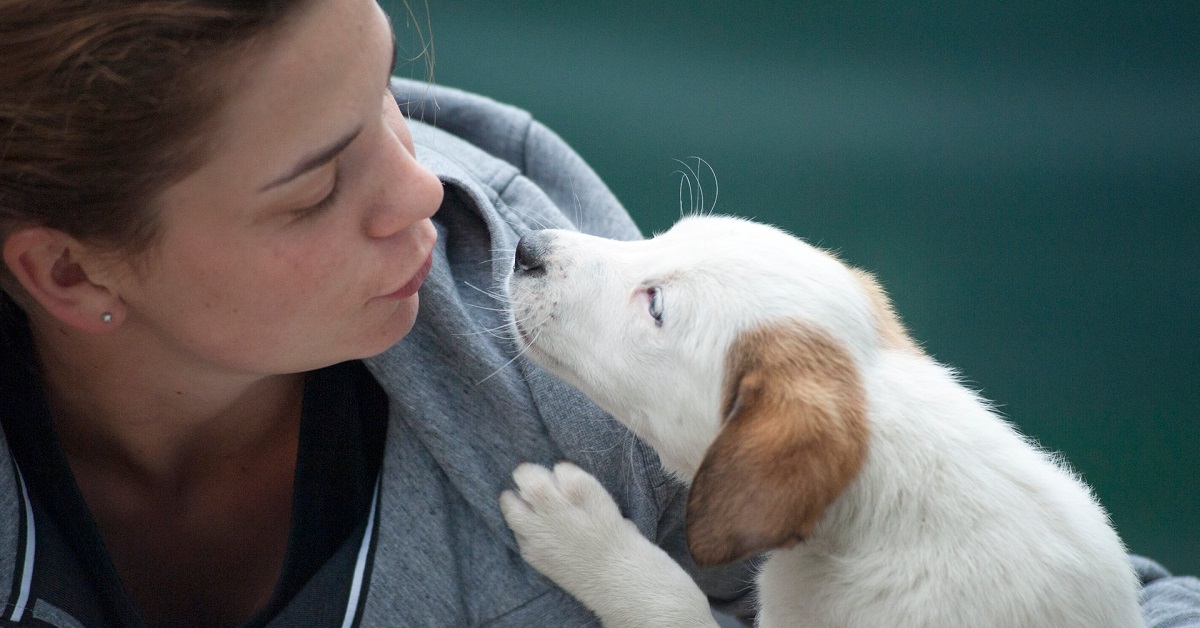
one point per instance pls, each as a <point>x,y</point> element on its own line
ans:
<point>165,422</point>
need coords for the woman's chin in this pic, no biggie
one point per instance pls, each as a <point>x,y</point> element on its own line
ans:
<point>394,328</point>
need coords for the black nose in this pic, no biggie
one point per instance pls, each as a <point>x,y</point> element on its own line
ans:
<point>531,253</point>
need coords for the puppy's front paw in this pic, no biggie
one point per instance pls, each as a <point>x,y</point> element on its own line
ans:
<point>562,518</point>
<point>570,529</point>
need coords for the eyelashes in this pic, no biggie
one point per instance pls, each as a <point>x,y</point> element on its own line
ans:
<point>324,203</point>
<point>656,305</point>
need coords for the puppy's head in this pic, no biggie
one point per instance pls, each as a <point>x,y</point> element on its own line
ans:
<point>731,347</point>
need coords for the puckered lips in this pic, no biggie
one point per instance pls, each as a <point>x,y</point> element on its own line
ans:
<point>410,288</point>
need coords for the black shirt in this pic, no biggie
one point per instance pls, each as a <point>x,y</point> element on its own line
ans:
<point>342,428</point>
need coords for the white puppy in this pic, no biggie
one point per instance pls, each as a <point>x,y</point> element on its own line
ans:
<point>779,383</point>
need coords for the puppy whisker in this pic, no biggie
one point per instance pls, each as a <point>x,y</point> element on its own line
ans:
<point>528,215</point>
<point>683,176</point>
<point>580,216</point>
<point>494,295</point>
<point>514,359</point>
<point>501,332</point>
<point>489,309</point>
<point>696,203</point>
<point>500,256</point>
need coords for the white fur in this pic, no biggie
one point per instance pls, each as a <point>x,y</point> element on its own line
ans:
<point>954,519</point>
<point>571,530</point>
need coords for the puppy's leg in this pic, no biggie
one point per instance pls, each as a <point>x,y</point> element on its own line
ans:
<point>570,529</point>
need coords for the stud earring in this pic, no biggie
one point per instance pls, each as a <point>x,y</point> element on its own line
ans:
<point>106,317</point>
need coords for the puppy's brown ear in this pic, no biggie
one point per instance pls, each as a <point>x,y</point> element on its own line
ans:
<point>795,436</point>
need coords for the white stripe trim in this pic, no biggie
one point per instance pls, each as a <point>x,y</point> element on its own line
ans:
<point>30,546</point>
<point>54,615</point>
<point>361,566</point>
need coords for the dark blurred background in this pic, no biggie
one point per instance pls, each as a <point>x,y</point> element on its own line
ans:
<point>1023,177</point>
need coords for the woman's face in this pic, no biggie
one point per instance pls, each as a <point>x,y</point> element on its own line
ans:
<point>302,239</point>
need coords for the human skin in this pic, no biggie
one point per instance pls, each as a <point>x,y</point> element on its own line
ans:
<point>194,385</point>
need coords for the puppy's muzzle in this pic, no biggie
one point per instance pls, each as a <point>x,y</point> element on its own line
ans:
<point>532,250</point>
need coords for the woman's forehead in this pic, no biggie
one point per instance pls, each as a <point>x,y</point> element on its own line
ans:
<point>297,91</point>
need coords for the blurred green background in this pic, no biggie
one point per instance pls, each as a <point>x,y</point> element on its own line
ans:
<point>1024,178</point>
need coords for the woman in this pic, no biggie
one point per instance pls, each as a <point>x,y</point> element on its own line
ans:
<point>212,213</point>
<point>215,223</point>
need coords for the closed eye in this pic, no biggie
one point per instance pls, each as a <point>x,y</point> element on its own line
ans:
<point>324,203</point>
<point>656,304</point>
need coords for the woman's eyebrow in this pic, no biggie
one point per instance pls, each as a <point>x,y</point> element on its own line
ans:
<point>316,160</point>
<point>324,156</point>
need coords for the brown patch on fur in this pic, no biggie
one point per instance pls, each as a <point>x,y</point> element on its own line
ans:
<point>795,436</point>
<point>891,331</point>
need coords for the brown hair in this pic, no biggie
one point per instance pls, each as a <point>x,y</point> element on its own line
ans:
<point>103,104</point>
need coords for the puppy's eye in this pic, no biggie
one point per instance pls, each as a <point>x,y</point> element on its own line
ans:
<point>656,304</point>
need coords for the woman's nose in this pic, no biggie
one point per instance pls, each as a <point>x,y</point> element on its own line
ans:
<point>409,192</point>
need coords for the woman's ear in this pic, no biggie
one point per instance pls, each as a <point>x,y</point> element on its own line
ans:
<point>49,265</point>
<point>795,436</point>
